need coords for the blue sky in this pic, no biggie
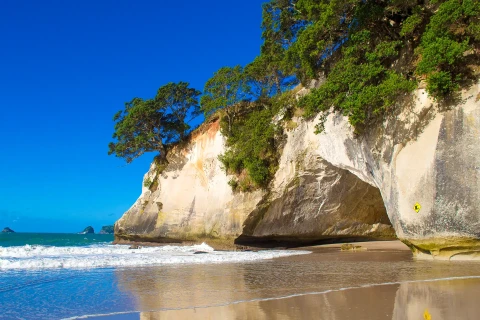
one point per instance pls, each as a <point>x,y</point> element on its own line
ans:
<point>67,66</point>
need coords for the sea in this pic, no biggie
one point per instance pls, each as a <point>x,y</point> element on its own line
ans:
<point>72,276</point>
<point>57,276</point>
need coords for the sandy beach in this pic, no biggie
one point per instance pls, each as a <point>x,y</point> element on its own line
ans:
<point>381,282</point>
<point>454,299</point>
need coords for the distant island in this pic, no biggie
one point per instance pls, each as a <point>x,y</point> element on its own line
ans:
<point>106,230</point>
<point>87,230</point>
<point>7,230</point>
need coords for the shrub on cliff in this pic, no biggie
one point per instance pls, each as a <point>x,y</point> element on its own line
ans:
<point>372,52</point>
<point>453,29</point>
<point>252,149</point>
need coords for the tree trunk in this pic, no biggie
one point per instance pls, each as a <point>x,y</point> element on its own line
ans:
<point>162,155</point>
<point>229,117</point>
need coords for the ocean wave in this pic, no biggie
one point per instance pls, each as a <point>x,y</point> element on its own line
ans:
<point>104,256</point>
<point>38,250</point>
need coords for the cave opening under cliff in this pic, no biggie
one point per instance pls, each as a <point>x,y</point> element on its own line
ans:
<point>324,205</point>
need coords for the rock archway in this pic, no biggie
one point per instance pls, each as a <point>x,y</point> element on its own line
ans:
<point>312,202</point>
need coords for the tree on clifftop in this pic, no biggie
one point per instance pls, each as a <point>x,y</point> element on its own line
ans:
<point>181,102</point>
<point>225,90</point>
<point>149,125</point>
<point>140,128</point>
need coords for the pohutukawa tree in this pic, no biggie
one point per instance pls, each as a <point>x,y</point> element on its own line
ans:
<point>225,90</point>
<point>265,77</point>
<point>151,125</point>
<point>139,128</point>
<point>181,104</point>
<point>279,28</point>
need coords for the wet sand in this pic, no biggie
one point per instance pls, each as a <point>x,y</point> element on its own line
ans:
<point>383,282</point>
<point>455,299</point>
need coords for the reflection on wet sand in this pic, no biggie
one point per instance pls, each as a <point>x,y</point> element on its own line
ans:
<point>182,287</point>
<point>238,291</point>
<point>455,299</point>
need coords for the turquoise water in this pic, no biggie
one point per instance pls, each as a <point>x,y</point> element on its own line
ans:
<point>127,292</point>
<point>53,239</point>
<point>56,276</point>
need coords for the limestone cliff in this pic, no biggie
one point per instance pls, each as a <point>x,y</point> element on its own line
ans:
<point>425,154</point>
<point>421,166</point>
<point>190,198</point>
<point>311,200</point>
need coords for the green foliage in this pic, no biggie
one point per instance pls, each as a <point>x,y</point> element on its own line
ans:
<point>226,88</point>
<point>233,183</point>
<point>474,30</point>
<point>147,183</point>
<point>441,83</point>
<point>359,84</point>
<point>441,52</point>
<point>267,74</point>
<point>285,103</point>
<point>149,125</point>
<point>265,77</point>
<point>326,26</point>
<point>410,24</point>
<point>224,91</point>
<point>252,149</point>
<point>140,128</point>
<point>369,53</point>
<point>452,30</point>
<point>356,44</point>
<point>160,163</point>
<point>181,102</point>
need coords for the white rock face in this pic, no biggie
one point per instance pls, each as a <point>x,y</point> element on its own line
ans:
<point>326,186</point>
<point>190,199</point>
<point>309,199</point>
<point>312,200</point>
<point>426,154</point>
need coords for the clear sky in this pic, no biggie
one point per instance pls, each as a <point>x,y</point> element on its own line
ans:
<point>67,66</point>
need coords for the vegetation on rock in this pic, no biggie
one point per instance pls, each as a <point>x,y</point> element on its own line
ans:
<point>369,53</point>
<point>252,149</point>
<point>225,91</point>
<point>181,105</point>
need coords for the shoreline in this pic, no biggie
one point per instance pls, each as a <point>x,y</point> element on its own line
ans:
<point>439,295</point>
<point>227,245</point>
<point>380,281</point>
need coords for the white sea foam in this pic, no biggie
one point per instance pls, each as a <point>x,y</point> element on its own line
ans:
<point>102,256</point>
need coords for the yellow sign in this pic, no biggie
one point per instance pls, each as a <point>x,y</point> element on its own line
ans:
<point>417,207</point>
<point>427,315</point>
